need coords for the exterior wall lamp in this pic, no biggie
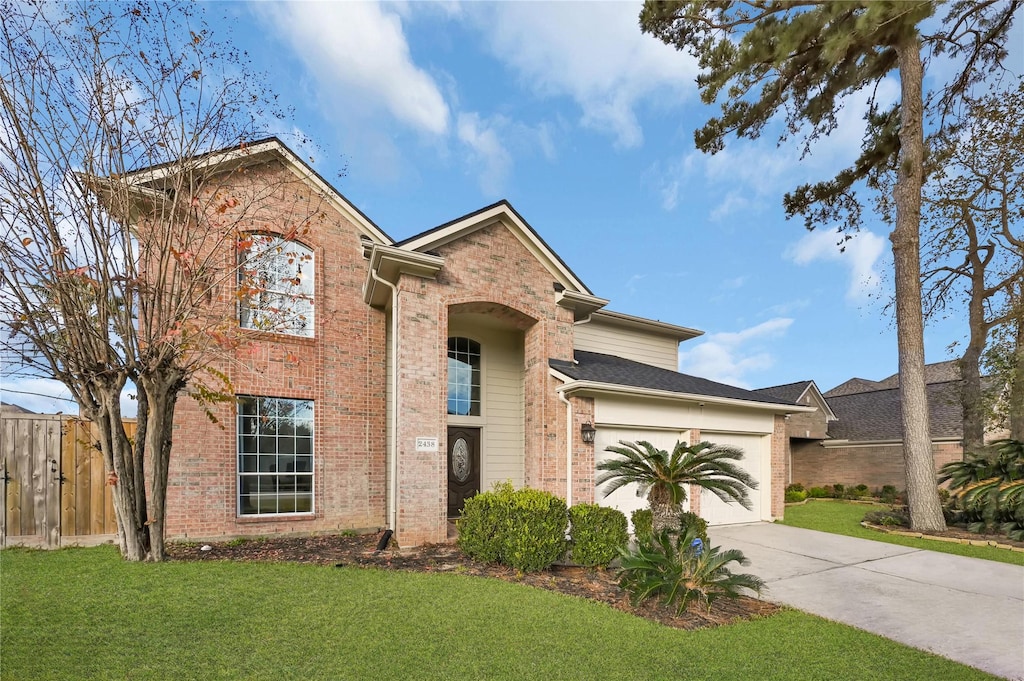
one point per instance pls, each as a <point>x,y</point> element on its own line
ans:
<point>587,432</point>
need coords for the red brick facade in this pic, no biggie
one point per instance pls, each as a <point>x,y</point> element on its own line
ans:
<point>871,465</point>
<point>491,270</point>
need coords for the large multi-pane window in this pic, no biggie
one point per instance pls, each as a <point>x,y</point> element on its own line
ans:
<point>275,456</point>
<point>463,377</point>
<point>276,284</point>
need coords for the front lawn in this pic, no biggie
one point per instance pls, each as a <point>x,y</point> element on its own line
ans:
<point>844,517</point>
<point>85,614</point>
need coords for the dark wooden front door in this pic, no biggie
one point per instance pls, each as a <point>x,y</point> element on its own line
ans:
<point>463,467</point>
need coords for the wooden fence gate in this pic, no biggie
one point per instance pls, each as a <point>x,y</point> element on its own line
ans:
<point>55,490</point>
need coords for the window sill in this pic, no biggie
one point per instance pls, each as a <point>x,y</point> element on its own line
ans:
<point>275,517</point>
<point>278,337</point>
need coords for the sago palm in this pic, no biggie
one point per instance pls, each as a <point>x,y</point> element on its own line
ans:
<point>671,568</point>
<point>994,485</point>
<point>663,477</point>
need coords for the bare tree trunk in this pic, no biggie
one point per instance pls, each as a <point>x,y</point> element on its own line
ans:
<point>162,394</point>
<point>971,401</point>
<point>1016,407</point>
<point>922,488</point>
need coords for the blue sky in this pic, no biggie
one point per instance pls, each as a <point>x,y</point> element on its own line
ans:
<point>433,110</point>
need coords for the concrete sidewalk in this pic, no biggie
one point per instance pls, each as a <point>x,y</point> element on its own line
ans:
<point>966,609</point>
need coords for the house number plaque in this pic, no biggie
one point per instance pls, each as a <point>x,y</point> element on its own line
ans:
<point>426,444</point>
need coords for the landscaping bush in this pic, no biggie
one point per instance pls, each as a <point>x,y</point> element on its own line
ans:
<point>524,529</point>
<point>818,493</point>
<point>535,530</point>
<point>891,518</point>
<point>598,533</point>
<point>673,568</point>
<point>691,522</point>
<point>888,494</point>
<point>795,496</point>
<point>794,487</point>
<point>837,490</point>
<point>482,522</point>
<point>863,490</point>
<point>643,523</point>
<point>991,487</point>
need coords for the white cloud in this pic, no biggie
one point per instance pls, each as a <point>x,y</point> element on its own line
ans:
<point>728,357</point>
<point>361,48</point>
<point>593,53</point>
<point>487,150</point>
<point>860,254</point>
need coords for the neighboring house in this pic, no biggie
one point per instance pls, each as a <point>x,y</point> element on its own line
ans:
<point>8,408</point>
<point>864,442</point>
<point>802,428</point>
<point>424,370</point>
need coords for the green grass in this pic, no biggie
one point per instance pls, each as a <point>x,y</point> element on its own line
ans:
<point>85,614</point>
<point>843,517</point>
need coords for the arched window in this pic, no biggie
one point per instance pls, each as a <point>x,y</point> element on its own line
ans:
<point>463,377</point>
<point>275,285</point>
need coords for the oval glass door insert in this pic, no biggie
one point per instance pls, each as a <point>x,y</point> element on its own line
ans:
<point>460,460</point>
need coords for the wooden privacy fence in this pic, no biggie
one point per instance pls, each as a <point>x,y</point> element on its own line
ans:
<point>55,489</point>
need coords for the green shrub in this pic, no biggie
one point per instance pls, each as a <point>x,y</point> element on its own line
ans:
<point>818,493</point>
<point>693,523</point>
<point>535,529</point>
<point>483,522</point>
<point>888,518</point>
<point>795,487</point>
<point>888,494</point>
<point>863,490</point>
<point>598,532</point>
<point>671,567</point>
<point>837,490</point>
<point>643,523</point>
<point>795,496</point>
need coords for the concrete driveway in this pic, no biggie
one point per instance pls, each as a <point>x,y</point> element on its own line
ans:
<point>965,609</point>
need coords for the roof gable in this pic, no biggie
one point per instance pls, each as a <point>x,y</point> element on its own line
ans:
<point>503,213</point>
<point>803,393</point>
<point>256,153</point>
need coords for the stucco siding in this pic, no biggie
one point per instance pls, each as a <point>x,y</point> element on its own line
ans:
<point>660,351</point>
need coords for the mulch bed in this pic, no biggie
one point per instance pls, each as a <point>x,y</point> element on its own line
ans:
<point>595,584</point>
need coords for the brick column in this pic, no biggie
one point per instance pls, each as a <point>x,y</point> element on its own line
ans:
<point>694,489</point>
<point>422,369</point>
<point>780,445</point>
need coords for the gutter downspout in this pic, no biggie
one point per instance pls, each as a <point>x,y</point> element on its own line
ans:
<point>568,442</point>
<point>393,426</point>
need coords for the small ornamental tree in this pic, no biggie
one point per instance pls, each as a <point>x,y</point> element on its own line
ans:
<point>663,477</point>
<point>125,241</point>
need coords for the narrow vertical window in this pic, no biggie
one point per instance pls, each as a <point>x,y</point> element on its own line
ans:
<point>463,377</point>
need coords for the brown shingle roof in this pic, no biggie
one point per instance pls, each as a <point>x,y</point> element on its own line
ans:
<point>876,415</point>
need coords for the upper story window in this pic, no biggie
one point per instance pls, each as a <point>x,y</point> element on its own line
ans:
<point>463,377</point>
<point>276,284</point>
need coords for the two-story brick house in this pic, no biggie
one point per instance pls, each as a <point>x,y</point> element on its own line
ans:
<point>416,372</point>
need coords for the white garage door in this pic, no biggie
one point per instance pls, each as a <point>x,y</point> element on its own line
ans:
<point>625,498</point>
<point>755,452</point>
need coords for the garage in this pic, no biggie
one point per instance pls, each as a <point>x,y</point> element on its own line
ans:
<point>755,451</point>
<point>625,498</point>
<point>712,509</point>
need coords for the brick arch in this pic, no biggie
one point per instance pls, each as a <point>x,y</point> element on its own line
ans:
<point>505,312</point>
